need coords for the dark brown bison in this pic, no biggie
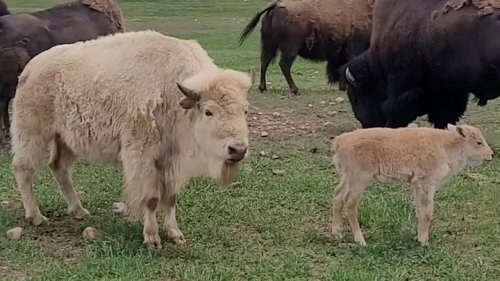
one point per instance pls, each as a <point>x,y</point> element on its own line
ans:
<point>24,35</point>
<point>319,30</point>
<point>3,9</point>
<point>426,58</point>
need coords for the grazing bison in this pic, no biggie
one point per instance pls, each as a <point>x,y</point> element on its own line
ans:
<point>426,57</point>
<point>319,30</point>
<point>23,36</point>
<point>162,111</point>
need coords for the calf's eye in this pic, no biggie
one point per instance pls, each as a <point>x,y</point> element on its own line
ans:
<point>208,113</point>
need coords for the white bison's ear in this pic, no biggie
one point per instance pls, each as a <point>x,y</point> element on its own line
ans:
<point>191,96</point>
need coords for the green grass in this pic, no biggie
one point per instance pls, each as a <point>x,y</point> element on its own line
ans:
<point>266,226</point>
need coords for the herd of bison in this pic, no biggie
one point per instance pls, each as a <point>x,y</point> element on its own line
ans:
<point>395,59</point>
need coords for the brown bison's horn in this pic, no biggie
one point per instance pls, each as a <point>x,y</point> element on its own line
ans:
<point>190,94</point>
<point>349,76</point>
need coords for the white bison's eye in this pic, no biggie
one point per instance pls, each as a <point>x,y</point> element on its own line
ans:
<point>479,143</point>
<point>246,112</point>
<point>208,113</point>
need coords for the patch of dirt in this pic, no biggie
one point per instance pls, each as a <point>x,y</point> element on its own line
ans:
<point>11,272</point>
<point>322,119</point>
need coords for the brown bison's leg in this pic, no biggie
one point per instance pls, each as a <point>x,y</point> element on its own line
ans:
<point>170,224</point>
<point>9,94</point>
<point>62,168</point>
<point>29,153</point>
<point>268,52</point>
<point>285,65</point>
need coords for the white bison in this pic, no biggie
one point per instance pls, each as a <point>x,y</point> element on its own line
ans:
<point>156,106</point>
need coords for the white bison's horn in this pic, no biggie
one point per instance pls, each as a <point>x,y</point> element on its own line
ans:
<point>190,94</point>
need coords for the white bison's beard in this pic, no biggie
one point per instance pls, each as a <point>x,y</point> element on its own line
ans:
<point>228,173</point>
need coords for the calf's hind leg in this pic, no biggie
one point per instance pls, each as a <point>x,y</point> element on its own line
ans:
<point>62,167</point>
<point>338,206</point>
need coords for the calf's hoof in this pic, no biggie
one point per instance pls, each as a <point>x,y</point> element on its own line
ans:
<point>424,241</point>
<point>360,241</point>
<point>262,89</point>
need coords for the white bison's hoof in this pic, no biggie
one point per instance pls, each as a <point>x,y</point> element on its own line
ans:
<point>37,219</point>
<point>152,241</point>
<point>79,213</point>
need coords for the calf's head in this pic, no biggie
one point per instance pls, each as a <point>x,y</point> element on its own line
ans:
<point>475,148</point>
<point>218,104</point>
<point>363,93</point>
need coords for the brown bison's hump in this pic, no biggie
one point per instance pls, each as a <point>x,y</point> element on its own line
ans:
<point>485,7</point>
<point>338,16</point>
<point>109,8</point>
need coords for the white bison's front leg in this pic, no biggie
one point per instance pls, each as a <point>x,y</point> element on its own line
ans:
<point>170,224</point>
<point>142,190</point>
<point>150,230</point>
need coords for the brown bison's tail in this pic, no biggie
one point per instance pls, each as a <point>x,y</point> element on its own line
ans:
<point>3,9</point>
<point>253,22</point>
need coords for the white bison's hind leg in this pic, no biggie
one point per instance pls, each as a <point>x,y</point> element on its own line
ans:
<point>62,167</point>
<point>170,225</point>
<point>29,154</point>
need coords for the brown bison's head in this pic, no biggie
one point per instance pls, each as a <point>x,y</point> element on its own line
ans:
<point>217,102</point>
<point>3,9</point>
<point>363,93</point>
<point>13,59</point>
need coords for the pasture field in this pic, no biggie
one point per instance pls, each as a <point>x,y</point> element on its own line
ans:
<point>273,223</point>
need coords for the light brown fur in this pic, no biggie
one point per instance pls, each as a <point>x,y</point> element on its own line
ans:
<point>105,101</point>
<point>109,8</point>
<point>330,15</point>
<point>425,158</point>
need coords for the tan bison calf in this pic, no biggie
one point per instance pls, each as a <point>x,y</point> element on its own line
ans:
<point>425,158</point>
<point>156,106</point>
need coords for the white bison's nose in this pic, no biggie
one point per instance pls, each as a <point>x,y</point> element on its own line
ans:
<point>237,152</point>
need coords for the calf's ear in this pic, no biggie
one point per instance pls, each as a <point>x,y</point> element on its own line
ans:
<point>457,129</point>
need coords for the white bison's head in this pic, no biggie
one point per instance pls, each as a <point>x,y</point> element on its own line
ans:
<point>217,101</point>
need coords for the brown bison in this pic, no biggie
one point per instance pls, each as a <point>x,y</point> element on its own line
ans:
<point>3,9</point>
<point>426,58</point>
<point>319,30</point>
<point>24,35</point>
